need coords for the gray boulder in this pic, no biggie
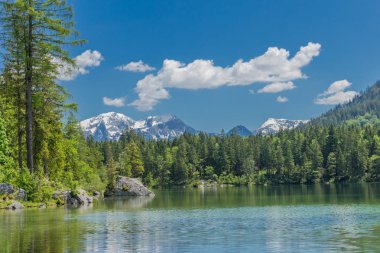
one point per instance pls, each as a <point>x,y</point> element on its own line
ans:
<point>14,206</point>
<point>6,189</point>
<point>21,195</point>
<point>83,197</point>
<point>73,200</point>
<point>125,186</point>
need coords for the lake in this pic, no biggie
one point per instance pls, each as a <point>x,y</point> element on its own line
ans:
<point>319,218</point>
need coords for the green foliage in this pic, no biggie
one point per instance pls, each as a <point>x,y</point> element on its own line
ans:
<point>7,171</point>
<point>37,189</point>
<point>34,35</point>
<point>300,156</point>
<point>130,161</point>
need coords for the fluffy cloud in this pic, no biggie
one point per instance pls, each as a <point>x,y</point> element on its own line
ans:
<point>138,66</point>
<point>277,87</point>
<point>273,67</point>
<point>118,102</point>
<point>281,99</point>
<point>336,94</point>
<point>84,61</point>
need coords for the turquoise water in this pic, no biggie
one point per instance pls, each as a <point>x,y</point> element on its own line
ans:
<point>331,218</point>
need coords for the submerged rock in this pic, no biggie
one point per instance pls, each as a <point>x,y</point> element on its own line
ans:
<point>14,206</point>
<point>6,189</point>
<point>73,199</point>
<point>125,186</point>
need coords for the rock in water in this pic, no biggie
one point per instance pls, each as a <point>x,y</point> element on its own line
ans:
<point>14,206</point>
<point>125,186</point>
<point>83,197</point>
<point>73,200</point>
<point>6,189</point>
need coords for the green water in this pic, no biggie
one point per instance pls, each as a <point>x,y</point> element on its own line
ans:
<point>329,218</point>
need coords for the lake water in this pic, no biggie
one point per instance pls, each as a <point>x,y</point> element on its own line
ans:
<point>328,218</point>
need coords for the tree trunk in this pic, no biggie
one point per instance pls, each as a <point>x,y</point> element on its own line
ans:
<point>29,90</point>
<point>19,130</point>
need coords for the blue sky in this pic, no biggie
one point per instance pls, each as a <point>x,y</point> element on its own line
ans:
<point>214,95</point>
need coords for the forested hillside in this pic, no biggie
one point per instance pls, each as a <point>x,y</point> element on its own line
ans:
<point>367,103</point>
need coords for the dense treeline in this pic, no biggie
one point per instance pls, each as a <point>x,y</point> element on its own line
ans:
<point>310,155</point>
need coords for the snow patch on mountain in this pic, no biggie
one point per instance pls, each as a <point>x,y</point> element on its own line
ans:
<point>106,126</point>
<point>272,126</point>
<point>110,126</point>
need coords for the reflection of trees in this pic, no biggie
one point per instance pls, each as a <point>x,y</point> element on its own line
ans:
<point>145,223</point>
<point>266,196</point>
<point>39,231</point>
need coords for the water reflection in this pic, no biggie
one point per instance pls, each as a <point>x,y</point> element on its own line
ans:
<point>266,219</point>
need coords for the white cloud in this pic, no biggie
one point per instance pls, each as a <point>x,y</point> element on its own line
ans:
<point>281,99</point>
<point>274,66</point>
<point>336,94</point>
<point>337,86</point>
<point>118,102</point>
<point>277,87</point>
<point>138,66</point>
<point>84,61</point>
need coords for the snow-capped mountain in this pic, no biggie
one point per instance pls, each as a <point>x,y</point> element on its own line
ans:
<point>272,126</point>
<point>240,130</point>
<point>162,127</point>
<point>106,126</point>
<point>110,126</point>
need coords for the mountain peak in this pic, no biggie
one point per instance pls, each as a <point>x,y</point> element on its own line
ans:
<point>273,125</point>
<point>240,130</point>
<point>110,126</point>
<point>106,126</point>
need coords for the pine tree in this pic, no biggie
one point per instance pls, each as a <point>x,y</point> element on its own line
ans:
<point>7,172</point>
<point>131,161</point>
<point>43,28</point>
<point>330,145</point>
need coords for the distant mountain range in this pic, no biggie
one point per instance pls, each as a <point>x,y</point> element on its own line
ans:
<point>111,125</point>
